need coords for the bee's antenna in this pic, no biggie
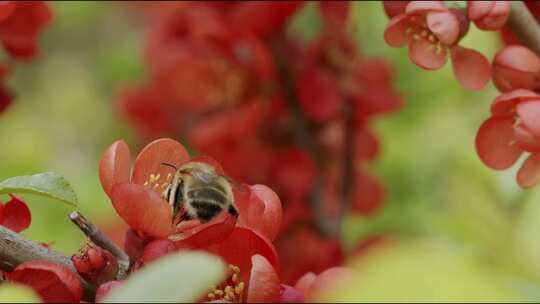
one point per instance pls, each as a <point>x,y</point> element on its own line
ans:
<point>170,165</point>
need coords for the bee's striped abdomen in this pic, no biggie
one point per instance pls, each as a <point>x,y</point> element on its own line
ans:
<point>206,209</point>
<point>208,193</point>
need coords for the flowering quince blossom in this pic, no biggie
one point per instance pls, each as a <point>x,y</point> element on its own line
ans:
<point>20,24</point>
<point>246,247</point>
<point>488,15</point>
<point>432,31</point>
<point>15,214</point>
<point>513,127</point>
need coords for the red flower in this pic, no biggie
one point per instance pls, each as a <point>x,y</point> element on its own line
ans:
<point>296,262</point>
<point>431,31</point>
<point>311,284</point>
<point>512,129</point>
<point>20,24</point>
<point>95,264</point>
<point>15,215</point>
<point>139,200</point>
<point>516,67</point>
<point>489,15</point>
<point>53,282</point>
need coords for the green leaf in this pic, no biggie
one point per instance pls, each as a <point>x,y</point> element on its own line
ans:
<point>181,278</point>
<point>48,184</point>
<point>16,293</point>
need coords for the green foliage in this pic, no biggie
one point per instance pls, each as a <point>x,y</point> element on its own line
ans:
<point>16,293</point>
<point>422,271</point>
<point>180,278</point>
<point>48,184</point>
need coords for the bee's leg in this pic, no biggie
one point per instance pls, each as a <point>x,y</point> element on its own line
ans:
<point>232,211</point>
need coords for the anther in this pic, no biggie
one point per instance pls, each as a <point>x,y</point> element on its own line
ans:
<point>416,37</point>
<point>234,277</point>
<point>211,296</point>
<point>146,184</point>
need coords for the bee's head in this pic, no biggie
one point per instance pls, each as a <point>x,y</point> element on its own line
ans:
<point>194,166</point>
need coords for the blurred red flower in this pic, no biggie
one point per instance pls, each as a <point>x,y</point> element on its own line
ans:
<point>432,31</point>
<point>15,214</point>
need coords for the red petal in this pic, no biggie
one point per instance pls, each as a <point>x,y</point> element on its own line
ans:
<point>444,25</point>
<point>526,139</point>
<point>243,243</point>
<point>328,279</point>
<point>263,213</point>
<point>289,294</point>
<point>264,284</point>
<point>150,159</point>
<point>423,53</point>
<point>262,17</point>
<point>529,173</point>
<point>394,8</point>
<point>479,9</point>
<point>515,67</point>
<point>395,32</point>
<point>142,209</point>
<point>53,282</point>
<point>505,103</point>
<point>15,214</point>
<point>156,249</point>
<point>418,7</point>
<point>368,194</point>
<point>6,8</point>
<point>203,235</point>
<point>496,17</point>
<point>114,166</point>
<point>305,282</point>
<point>319,95</point>
<point>471,68</point>
<point>105,288</point>
<point>335,13</point>
<point>495,143</point>
<point>529,113</point>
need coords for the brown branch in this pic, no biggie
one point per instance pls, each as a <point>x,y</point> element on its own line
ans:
<point>524,25</point>
<point>15,250</point>
<point>322,222</point>
<point>347,168</point>
<point>99,238</point>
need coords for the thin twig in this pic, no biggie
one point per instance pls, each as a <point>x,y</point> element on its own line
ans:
<point>347,168</point>
<point>524,25</point>
<point>15,250</point>
<point>102,240</point>
<point>322,223</point>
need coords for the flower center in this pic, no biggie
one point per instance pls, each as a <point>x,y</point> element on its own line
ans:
<point>232,289</point>
<point>231,86</point>
<point>420,30</point>
<point>153,182</point>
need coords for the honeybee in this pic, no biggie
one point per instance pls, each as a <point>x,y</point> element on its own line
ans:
<point>196,191</point>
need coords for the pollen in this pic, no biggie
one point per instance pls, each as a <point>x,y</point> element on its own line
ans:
<point>154,182</point>
<point>232,289</point>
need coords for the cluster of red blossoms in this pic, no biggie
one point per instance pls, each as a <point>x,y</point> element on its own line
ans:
<point>20,24</point>
<point>244,242</point>
<point>432,30</point>
<point>234,84</point>
<point>514,126</point>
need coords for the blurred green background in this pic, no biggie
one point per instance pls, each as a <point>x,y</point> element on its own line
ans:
<point>443,206</point>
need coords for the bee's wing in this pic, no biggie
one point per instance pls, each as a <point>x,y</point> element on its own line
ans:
<point>203,176</point>
<point>236,185</point>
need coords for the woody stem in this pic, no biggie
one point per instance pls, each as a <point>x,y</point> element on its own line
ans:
<point>524,25</point>
<point>15,250</point>
<point>99,238</point>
